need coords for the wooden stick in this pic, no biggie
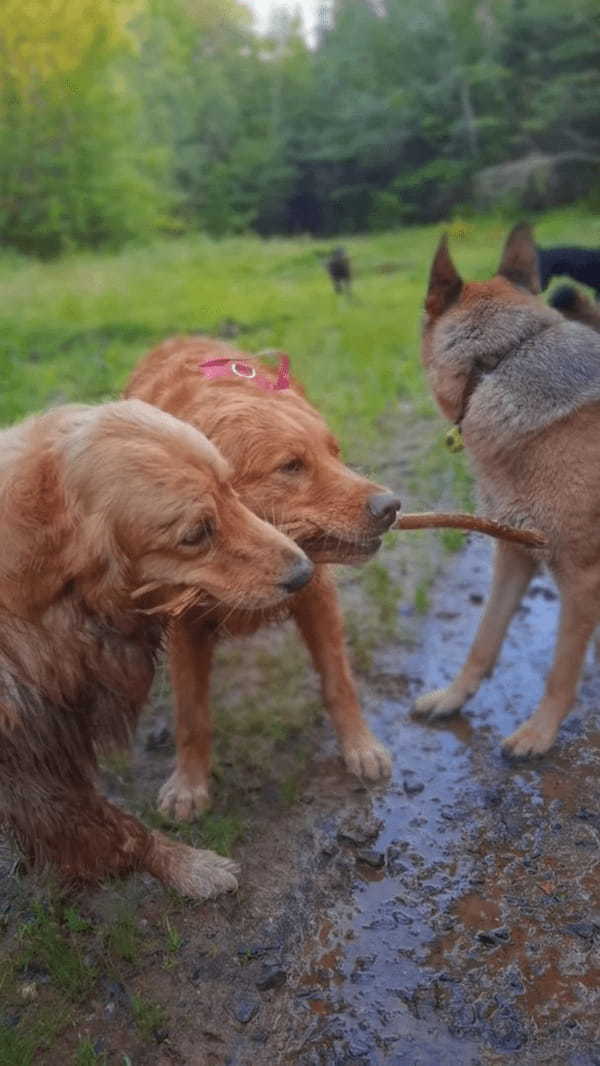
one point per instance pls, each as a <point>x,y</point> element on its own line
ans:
<point>457,520</point>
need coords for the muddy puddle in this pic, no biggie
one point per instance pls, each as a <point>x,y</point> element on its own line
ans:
<point>472,932</point>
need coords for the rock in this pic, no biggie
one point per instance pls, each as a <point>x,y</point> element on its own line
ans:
<point>493,937</point>
<point>360,830</point>
<point>585,930</point>
<point>159,736</point>
<point>411,784</point>
<point>370,857</point>
<point>536,181</point>
<point>271,977</point>
<point>245,1010</point>
<point>253,951</point>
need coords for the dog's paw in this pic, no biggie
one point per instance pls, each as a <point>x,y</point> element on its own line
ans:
<point>181,800</point>
<point>534,737</point>
<point>202,874</point>
<point>368,759</point>
<point>440,703</point>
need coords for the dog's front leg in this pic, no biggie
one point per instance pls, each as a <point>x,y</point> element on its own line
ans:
<point>319,619</point>
<point>185,794</point>
<point>513,569</point>
<point>579,613</point>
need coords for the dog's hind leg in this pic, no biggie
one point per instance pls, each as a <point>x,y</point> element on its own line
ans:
<point>579,615</point>
<point>185,794</point>
<point>318,616</point>
<point>513,570</point>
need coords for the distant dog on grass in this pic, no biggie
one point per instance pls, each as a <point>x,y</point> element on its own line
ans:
<point>581,264</point>
<point>523,384</point>
<point>572,303</point>
<point>112,520</point>
<point>340,271</point>
<point>287,468</point>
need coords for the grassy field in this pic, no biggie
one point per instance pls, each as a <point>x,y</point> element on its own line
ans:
<point>73,330</point>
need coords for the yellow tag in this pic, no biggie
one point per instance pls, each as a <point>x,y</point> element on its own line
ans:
<point>454,441</point>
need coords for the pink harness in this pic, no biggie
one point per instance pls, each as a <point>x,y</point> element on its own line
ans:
<point>226,368</point>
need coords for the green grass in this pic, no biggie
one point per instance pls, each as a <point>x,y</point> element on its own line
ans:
<point>73,329</point>
<point>149,1016</point>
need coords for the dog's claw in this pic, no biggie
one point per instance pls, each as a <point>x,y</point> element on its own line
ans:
<point>368,759</point>
<point>440,703</point>
<point>182,801</point>
<point>531,739</point>
<point>204,874</point>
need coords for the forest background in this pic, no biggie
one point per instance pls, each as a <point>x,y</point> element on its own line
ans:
<point>121,120</point>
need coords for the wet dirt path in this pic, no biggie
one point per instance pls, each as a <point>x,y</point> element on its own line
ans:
<point>472,931</point>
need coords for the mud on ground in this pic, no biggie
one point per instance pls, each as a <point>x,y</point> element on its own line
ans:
<point>451,917</point>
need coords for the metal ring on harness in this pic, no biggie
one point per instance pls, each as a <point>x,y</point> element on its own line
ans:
<point>248,371</point>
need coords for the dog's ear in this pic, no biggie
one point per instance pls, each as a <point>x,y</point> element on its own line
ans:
<point>519,262</point>
<point>445,283</point>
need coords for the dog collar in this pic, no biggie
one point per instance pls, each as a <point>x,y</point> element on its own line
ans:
<point>238,368</point>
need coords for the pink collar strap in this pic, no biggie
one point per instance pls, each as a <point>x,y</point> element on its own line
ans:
<point>237,368</point>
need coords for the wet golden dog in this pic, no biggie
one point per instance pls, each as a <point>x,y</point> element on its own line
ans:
<point>524,386</point>
<point>287,469</point>
<point>112,519</point>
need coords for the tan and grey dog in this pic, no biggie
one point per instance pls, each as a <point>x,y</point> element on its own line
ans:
<point>523,384</point>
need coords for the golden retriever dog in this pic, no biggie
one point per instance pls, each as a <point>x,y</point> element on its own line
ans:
<point>523,384</point>
<point>287,469</point>
<point>112,519</point>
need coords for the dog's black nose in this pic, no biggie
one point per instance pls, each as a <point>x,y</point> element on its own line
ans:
<point>383,507</point>
<point>298,576</point>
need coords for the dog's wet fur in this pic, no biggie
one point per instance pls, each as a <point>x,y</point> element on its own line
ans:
<point>112,519</point>
<point>287,469</point>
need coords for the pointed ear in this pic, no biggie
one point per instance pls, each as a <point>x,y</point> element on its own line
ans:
<point>519,262</point>
<point>445,283</point>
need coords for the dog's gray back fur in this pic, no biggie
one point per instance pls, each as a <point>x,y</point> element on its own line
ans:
<point>537,368</point>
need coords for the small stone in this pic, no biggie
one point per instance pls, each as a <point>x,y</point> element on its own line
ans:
<point>370,857</point>
<point>271,977</point>
<point>159,736</point>
<point>28,990</point>
<point>412,785</point>
<point>360,831</point>
<point>245,1010</point>
<point>160,1035</point>
<point>493,937</point>
<point>585,930</point>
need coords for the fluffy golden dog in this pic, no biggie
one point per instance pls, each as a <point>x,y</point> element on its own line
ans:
<point>287,469</point>
<point>111,519</point>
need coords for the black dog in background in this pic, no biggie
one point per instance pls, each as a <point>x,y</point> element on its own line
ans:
<point>340,271</point>
<point>581,264</point>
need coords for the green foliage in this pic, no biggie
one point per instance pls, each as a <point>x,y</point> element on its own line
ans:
<point>47,944</point>
<point>121,119</point>
<point>85,1055</point>
<point>122,937</point>
<point>149,1016</point>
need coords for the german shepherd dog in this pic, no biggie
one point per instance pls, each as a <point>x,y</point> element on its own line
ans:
<point>523,384</point>
<point>572,303</point>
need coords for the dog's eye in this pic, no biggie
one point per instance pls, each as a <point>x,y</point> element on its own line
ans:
<point>199,534</point>
<point>294,466</point>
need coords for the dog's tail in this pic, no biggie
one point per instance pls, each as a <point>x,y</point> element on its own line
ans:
<point>574,305</point>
